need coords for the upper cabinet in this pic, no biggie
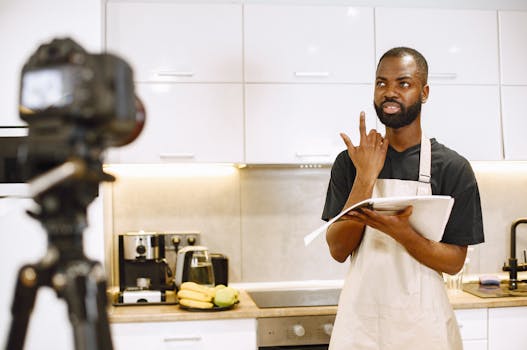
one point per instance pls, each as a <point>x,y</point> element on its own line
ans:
<point>174,42</point>
<point>300,123</point>
<point>513,34</point>
<point>461,46</point>
<point>25,25</point>
<point>465,119</point>
<point>187,61</point>
<point>308,44</point>
<point>514,122</point>
<point>187,123</point>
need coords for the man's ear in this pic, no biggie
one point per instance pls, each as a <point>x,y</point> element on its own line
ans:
<point>424,93</point>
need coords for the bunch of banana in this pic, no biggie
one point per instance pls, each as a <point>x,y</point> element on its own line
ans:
<point>198,296</point>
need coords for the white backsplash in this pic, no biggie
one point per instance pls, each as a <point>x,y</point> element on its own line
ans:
<point>259,216</point>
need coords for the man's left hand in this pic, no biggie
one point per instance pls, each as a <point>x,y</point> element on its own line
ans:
<point>393,224</point>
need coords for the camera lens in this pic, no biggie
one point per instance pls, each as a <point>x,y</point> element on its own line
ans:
<point>141,250</point>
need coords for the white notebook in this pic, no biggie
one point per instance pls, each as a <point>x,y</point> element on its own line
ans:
<point>429,216</point>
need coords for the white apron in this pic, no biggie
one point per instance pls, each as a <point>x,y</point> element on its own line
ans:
<point>389,300</point>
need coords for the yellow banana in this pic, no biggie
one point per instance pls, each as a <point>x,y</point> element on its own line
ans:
<point>196,304</point>
<point>198,288</point>
<point>190,294</point>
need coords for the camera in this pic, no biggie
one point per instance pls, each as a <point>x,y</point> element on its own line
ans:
<point>76,105</point>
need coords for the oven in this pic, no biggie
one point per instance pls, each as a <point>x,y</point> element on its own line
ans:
<point>310,331</point>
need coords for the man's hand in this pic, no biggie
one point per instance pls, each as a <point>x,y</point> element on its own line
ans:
<point>344,237</point>
<point>442,257</point>
<point>392,225</point>
<point>368,158</point>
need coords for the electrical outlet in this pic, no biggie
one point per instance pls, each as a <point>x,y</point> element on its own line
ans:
<point>180,239</point>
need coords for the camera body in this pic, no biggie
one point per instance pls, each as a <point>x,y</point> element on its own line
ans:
<point>76,105</point>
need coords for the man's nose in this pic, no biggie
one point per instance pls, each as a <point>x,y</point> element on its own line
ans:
<point>390,91</point>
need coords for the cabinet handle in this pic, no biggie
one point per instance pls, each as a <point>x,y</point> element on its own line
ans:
<point>176,155</point>
<point>175,74</point>
<point>312,74</point>
<point>443,76</point>
<point>182,339</point>
<point>306,155</point>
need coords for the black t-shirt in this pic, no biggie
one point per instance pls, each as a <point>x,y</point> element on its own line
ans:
<point>451,175</point>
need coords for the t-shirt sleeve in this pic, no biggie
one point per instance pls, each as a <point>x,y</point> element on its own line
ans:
<point>342,174</point>
<point>465,225</point>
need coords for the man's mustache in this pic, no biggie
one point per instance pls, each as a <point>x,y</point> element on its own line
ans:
<point>393,100</point>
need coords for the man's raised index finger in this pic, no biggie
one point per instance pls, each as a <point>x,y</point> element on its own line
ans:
<point>362,125</point>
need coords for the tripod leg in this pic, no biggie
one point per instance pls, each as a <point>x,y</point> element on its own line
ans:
<point>105,338</point>
<point>23,303</point>
<point>84,293</point>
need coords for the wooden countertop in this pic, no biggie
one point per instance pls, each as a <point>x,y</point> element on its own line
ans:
<point>248,309</point>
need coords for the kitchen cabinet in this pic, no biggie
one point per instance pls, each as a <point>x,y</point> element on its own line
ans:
<point>300,123</point>
<point>235,334</point>
<point>513,52</point>
<point>187,123</point>
<point>473,328</point>
<point>514,124</point>
<point>25,25</point>
<point>506,328</point>
<point>175,42</point>
<point>465,119</point>
<point>308,43</point>
<point>461,46</point>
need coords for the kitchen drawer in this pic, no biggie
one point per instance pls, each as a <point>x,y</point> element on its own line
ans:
<point>472,324</point>
<point>237,334</point>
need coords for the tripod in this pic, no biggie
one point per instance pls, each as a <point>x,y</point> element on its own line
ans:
<point>64,194</point>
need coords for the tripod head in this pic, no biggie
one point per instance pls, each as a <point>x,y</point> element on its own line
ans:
<point>76,105</point>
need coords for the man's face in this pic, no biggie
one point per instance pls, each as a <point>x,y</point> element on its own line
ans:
<point>399,91</point>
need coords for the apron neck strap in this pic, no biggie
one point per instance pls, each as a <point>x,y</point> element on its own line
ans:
<point>425,165</point>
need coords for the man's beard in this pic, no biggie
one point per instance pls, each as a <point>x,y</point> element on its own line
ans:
<point>403,118</point>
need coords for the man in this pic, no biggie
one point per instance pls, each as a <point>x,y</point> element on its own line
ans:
<point>394,295</point>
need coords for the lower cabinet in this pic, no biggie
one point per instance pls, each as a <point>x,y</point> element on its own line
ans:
<point>473,328</point>
<point>506,328</point>
<point>234,334</point>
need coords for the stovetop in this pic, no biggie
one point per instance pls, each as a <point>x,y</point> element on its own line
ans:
<point>295,297</point>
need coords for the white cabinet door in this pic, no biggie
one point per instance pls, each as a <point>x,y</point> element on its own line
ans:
<point>475,345</point>
<point>299,124</point>
<point>513,31</point>
<point>506,328</point>
<point>472,325</point>
<point>188,123</point>
<point>25,25</point>
<point>308,43</point>
<point>167,42</point>
<point>461,46</point>
<point>514,123</point>
<point>465,119</point>
<point>236,334</point>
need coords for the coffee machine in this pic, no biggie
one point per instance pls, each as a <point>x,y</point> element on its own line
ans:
<point>147,263</point>
<point>144,273</point>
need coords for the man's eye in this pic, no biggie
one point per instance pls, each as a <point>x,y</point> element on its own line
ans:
<point>405,84</point>
<point>381,84</point>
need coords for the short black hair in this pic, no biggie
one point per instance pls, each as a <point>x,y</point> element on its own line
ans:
<point>420,61</point>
